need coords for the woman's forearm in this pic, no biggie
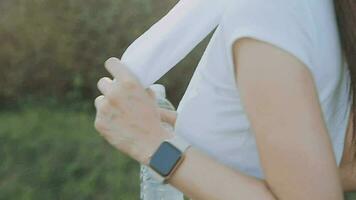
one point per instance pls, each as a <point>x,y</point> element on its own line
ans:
<point>202,178</point>
<point>347,177</point>
<point>214,180</point>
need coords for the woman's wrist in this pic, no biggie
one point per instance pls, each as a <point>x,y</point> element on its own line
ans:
<point>186,156</point>
<point>153,146</point>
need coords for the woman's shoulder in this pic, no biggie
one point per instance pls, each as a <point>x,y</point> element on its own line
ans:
<point>286,24</point>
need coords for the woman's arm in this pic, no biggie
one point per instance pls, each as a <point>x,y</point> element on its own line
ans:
<point>348,162</point>
<point>202,178</point>
<point>282,105</point>
<point>347,168</point>
<point>280,99</point>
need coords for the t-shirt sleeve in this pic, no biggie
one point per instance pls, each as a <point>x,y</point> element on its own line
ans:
<point>286,24</point>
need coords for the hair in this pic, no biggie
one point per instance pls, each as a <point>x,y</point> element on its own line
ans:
<point>346,18</point>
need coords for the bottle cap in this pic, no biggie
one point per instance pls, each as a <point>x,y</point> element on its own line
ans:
<point>159,90</point>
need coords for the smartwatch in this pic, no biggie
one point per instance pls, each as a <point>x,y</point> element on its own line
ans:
<point>168,156</point>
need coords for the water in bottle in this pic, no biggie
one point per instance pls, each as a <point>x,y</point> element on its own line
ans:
<point>150,188</point>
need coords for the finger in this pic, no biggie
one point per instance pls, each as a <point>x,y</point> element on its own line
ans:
<point>102,105</point>
<point>119,71</point>
<point>151,93</point>
<point>105,85</point>
<point>167,116</point>
<point>99,101</point>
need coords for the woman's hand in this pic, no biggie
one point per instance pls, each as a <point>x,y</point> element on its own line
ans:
<point>168,116</point>
<point>127,115</point>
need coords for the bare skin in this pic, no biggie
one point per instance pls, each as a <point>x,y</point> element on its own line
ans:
<point>347,166</point>
<point>128,118</point>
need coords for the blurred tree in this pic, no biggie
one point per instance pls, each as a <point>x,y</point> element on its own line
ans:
<point>56,49</point>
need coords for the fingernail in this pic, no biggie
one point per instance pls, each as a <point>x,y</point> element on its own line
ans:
<point>112,60</point>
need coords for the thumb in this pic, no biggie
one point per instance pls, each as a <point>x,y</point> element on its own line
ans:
<point>168,116</point>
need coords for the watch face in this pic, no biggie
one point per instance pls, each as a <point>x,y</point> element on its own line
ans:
<point>165,158</point>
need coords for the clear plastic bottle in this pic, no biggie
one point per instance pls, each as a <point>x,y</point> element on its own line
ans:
<point>150,188</point>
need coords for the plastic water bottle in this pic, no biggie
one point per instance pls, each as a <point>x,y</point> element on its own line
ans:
<point>150,188</point>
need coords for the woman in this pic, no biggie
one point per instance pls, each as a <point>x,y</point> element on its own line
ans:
<point>267,112</point>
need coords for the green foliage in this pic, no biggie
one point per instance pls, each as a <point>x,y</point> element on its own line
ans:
<point>57,154</point>
<point>351,196</point>
<point>51,54</point>
<point>57,48</point>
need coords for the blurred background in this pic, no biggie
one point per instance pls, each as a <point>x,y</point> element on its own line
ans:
<point>51,57</point>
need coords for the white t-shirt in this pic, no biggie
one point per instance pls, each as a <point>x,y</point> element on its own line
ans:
<point>210,114</point>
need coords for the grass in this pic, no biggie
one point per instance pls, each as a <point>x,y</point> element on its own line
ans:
<point>55,153</point>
